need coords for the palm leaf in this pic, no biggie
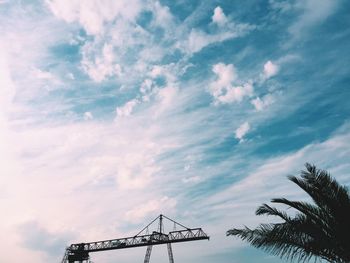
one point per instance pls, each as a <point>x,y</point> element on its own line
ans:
<point>316,231</point>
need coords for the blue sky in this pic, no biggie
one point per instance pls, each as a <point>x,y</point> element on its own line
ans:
<point>112,112</point>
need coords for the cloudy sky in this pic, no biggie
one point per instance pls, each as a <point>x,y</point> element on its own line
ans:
<point>114,111</point>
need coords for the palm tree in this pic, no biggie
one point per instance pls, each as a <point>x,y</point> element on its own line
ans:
<point>319,230</point>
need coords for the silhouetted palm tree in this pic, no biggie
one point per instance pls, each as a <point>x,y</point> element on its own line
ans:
<point>316,230</point>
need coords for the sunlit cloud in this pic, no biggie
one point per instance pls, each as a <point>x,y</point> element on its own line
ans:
<point>112,112</point>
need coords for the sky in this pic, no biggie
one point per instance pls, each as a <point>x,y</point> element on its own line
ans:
<point>113,112</point>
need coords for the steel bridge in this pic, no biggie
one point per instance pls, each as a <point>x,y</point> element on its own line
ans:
<point>80,252</point>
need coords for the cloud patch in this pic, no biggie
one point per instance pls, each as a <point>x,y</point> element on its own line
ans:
<point>262,103</point>
<point>38,238</point>
<point>100,67</point>
<point>223,89</point>
<point>270,69</point>
<point>152,207</point>
<point>219,16</point>
<point>127,109</point>
<point>225,29</point>
<point>242,130</point>
<point>313,12</point>
<point>93,14</point>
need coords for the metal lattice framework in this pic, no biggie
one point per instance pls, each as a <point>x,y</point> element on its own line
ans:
<point>80,252</point>
<point>170,253</point>
<point>148,254</point>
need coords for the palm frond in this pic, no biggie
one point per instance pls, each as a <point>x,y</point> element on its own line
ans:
<point>265,209</point>
<point>319,230</point>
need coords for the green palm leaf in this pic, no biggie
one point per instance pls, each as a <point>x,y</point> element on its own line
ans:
<point>320,230</point>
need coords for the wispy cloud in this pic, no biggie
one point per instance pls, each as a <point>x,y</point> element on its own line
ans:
<point>115,111</point>
<point>38,238</point>
<point>198,39</point>
<point>242,130</point>
<point>312,13</point>
<point>261,103</point>
<point>150,208</point>
<point>93,14</point>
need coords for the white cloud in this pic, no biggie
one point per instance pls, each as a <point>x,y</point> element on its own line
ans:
<point>7,90</point>
<point>226,74</point>
<point>136,172</point>
<point>23,49</point>
<point>45,75</point>
<point>152,53</point>
<point>156,71</point>
<point>88,116</point>
<point>198,39</point>
<point>152,207</point>
<point>270,69</point>
<point>192,179</point>
<point>103,170</point>
<point>118,53</point>
<point>92,14</point>
<point>167,95</point>
<point>269,179</point>
<point>166,100</point>
<point>45,79</point>
<point>313,12</point>
<point>223,90</point>
<point>100,66</point>
<point>84,159</point>
<point>168,71</point>
<point>38,238</point>
<point>96,168</point>
<point>219,16</point>
<point>147,89</point>
<point>8,150</point>
<point>262,103</point>
<point>242,130</point>
<point>236,94</point>
<point>127,109</point>
<point>146,86</point>
<point>71,76</point>
<point>282,6</point>
<point>162,16</point>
